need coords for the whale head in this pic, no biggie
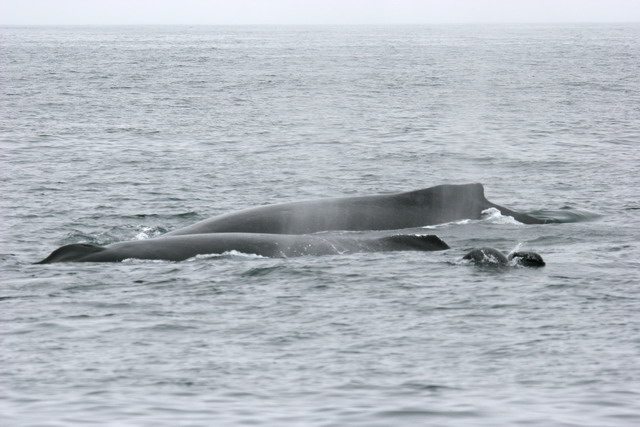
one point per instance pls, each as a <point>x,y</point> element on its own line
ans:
<point>491,257</point>
<point>486,257</point>
<point>527,259</point>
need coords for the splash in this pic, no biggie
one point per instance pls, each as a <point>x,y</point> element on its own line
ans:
<point>144,234</point>
<point>515,249</point>
<point>494,216</point>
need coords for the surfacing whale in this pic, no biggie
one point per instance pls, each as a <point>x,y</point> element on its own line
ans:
<point>490,257</point>
<point>429,206</point>
<point>178,248</point>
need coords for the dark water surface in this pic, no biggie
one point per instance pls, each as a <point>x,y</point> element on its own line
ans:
<point>121,133</point>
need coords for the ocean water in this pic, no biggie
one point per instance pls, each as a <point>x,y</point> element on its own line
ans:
<point>121,133</point>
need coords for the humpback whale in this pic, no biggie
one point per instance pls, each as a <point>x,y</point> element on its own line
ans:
<point>429,206</point>
<point>178,248</point>
<point>283,230</point>
<point>494,258</point>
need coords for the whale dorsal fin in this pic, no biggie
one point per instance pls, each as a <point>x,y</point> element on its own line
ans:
<point>450,192</point>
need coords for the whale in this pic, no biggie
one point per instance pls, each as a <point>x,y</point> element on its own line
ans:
<point>179,248</point>
<point>491,257</point>
<point>429,206</point>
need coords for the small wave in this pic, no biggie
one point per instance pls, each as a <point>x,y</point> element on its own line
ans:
<point>115,234</point>
<point>565,215</point>
<point>77,236</point>
<point>414,385</point>
<point>168,327</point>
<point>262,271</point>
<point>189,214</point>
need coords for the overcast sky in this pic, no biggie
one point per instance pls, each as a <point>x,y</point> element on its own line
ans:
<point>232,12</point>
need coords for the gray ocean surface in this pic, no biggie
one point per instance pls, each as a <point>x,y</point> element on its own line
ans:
<point>121,133</point>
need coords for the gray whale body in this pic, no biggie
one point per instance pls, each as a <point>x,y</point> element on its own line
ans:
<point>429,206</point>
<point>178,248</point>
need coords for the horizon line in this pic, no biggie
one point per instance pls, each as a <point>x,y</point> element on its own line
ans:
<point>272,24</point>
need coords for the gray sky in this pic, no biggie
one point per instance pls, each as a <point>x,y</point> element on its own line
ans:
<point>86,12</point>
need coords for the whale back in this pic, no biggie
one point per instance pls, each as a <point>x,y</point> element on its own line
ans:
<point>434,205</point>
<point>178,248</point>
<point>70,253</point>
<point>408,242</point>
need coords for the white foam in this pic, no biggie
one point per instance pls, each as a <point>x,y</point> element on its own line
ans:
<point>194,258</point>
<point>494,216</point>
<point>141,236</point>
<point>146,233</point>
<point>513,262</point>
<point>446,224</point>
<point>491,215</point>
<point>233,253</point>
<point>142,261</point>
